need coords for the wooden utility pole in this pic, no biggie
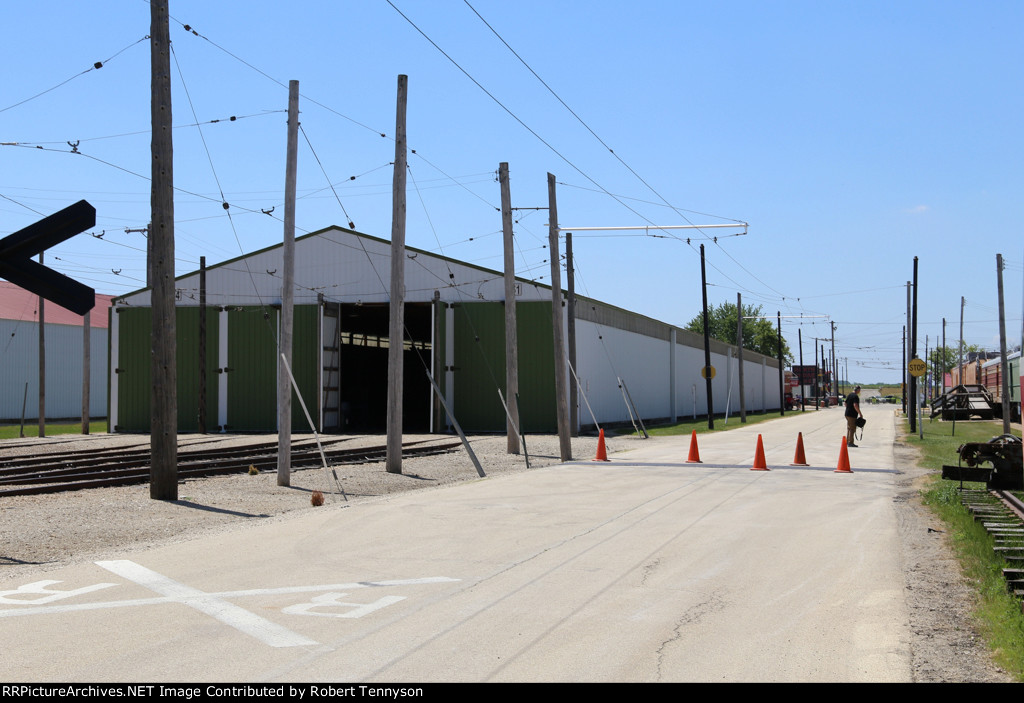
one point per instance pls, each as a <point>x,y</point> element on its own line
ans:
<point>944,360</point>
<point>86,356</point>
<point>42,362</point>
<point>739,355</point>
<point>782,374</point>
<point>824,377</point>
<point>561,404</point>
<point>800,379</point>
<point>835,368</point>
<point>571,333</point>
<point>511,336</point>
<point>960,357</point>
<point>396,332</point>
<point>202,345</point>
<point>284,359</point>
<point>906,356</point>
<point>1004,369</point>
<point>163,478</point>
<point>927,386</point>
<point>707,342</point>
<point>912,395</point>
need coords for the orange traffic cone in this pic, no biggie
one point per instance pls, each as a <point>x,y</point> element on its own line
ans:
<point>694,457</point>
<point>602,454</point>
<point>759,462</point>
<point>844,460</point>
<point>799,459</point>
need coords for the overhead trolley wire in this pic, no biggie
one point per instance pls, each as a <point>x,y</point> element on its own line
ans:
<point>178,189</point>
<point>578,118</point>
<point>223,199</point>
<point>232,118</point>
<point>319,163</point>
<point>95,67</point>
<point>514,116</point>
<point>188,28</point>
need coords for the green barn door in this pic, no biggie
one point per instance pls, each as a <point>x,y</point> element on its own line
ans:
<point>536,367</point>
<point>480,366</point>
<point>134,389</point>
<point>187,337</point>
<point>252,369</point>
<point>134,334</point>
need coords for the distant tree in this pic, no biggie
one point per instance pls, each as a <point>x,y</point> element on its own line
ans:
<point>759,335</point>
<point>951,356</point>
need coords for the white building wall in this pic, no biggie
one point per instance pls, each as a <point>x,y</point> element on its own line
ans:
<point>643,362</point>
<point>343,267</point>
<point>690,400</point>
<point>603,354</point>
<point>19,359</point>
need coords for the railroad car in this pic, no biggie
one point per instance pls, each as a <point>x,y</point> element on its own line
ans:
<point>991,377</point>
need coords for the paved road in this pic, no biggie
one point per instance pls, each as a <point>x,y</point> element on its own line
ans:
<point>642,569</point>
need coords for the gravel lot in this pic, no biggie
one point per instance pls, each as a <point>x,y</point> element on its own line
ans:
<point>46,532</point>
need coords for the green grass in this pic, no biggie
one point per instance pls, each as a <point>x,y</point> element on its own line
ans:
<point>701,425</point>
<point>32,430</point>
<point>998,613</point>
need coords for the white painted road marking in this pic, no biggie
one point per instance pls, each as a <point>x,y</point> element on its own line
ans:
<point>46,594</point>
<point>239,618</point>
<point>213,604</point>
<point>330,600</point>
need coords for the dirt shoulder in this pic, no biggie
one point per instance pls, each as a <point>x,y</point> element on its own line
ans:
<point>946,644</point>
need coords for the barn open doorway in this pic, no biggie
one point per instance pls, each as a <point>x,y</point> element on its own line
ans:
<point>355,368</point>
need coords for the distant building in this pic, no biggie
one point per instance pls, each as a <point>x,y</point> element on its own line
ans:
<point>19,357</point>
<point>454,318</point>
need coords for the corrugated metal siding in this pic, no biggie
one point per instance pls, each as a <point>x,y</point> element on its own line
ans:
<point>343,265</point>
<point>339,263</point>
<point>692,397</point>
<point>305,365</point>
<point>19,359</point>
<point>479,365</point>
<point>537,411</point>
<point>603,354</point>
<point>1014,364</point>
<point>134,368</point>
<point>133,371</point>
<point>252,364</point>
<point>187,356</point>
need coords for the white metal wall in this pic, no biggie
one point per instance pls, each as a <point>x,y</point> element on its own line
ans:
<point>604,353</point>
<point>19,359</point>
<point>344,267</point>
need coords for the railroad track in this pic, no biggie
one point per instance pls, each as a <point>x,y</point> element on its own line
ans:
<point>96,468</point>
<point>1002,515</point>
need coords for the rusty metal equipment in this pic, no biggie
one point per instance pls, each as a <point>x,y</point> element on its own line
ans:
<point>1004,454</point>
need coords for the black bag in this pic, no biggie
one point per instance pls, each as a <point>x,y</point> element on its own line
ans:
<point>861,422</point>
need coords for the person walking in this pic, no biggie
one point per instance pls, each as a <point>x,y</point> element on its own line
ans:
<point>852,413</point>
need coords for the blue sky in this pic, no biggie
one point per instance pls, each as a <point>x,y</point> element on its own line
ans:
<point>851,136</point>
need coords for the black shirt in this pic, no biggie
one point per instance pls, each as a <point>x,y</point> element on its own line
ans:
<point>852,400</point>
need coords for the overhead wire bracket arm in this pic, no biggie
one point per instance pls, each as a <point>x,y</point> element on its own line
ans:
<point>646,228</point>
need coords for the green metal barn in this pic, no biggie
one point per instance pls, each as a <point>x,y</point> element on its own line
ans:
<point>454,316</point>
